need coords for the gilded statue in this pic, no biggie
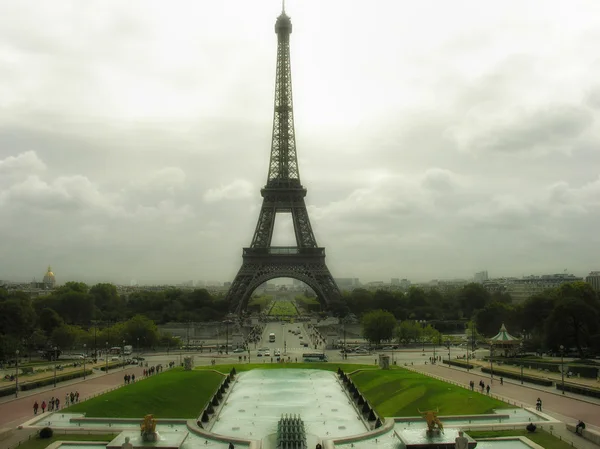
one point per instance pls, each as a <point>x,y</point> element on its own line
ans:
<point>432,420</point>
<point>148,426</point>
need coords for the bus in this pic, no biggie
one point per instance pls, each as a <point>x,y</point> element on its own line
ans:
<point>115,350</point>
<point>271,337</point>
<point>314,357</point>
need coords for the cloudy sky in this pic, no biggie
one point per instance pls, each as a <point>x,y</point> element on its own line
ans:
<point>435,138</point>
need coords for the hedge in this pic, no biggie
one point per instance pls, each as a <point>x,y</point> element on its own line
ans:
<point>458,363</point>
<point>7,391</point>
<point>113,365</point>
<point>586,371</point>
<point>31,385</point>
<point>579,389</point>
<point>512,375</point>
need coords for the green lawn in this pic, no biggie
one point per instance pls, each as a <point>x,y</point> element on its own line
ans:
<point>283,308</point>
<point>172,394</point>
<point>261,301</point>
<point>37,443</point>
<point>400,392</point>
<point>540,437</point>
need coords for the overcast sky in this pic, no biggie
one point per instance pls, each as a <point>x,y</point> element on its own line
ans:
<point>436,138</point>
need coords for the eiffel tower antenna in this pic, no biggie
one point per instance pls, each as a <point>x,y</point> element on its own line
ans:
<point>282,193</point>
<point>283,6</point>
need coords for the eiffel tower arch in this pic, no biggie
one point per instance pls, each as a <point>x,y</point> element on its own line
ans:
<point>283,193</point>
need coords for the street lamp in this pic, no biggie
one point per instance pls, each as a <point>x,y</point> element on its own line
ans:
<point>448,341</point>
<point>17,376</point>
<point>492,362</point>
<point>227,323</point>
<point>123,355</point>
<point>138,348</point>
<point>521,345</point>
<point>562,367</point>
<point>84,357</point>
<point>423,327</point>
<point>106,357</point>
<point>55,359</point>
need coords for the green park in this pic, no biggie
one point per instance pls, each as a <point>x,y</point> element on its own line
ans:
<point>397,392</point>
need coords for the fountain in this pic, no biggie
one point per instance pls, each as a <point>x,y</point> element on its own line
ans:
<point>291,433</point>
<point>148,437</point>
<point>434,437</point>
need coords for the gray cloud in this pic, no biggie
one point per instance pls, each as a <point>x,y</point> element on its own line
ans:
<point>135,137</point>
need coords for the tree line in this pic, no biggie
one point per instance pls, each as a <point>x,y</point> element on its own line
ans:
<point>567,315</point>
<point>76,313</point>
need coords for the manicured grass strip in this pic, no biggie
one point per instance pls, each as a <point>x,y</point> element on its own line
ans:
<point>283,308</point>
<point>401,392</point>
<point>347,367</point>
<point>38,443</point>
<point>173,394</point>
<point>540,437</point>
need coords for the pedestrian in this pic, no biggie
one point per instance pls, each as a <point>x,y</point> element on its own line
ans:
<point>35,407</point>
<point>57,404</point>
<point>133,378</point>
<point>77,396</point>
<point>67,400</point>
<point>72,397</point>
<point>43,406</point>
<point>488,389</point>
<point>580,427</point>
<point>502,381</point>
<point>538,405</point>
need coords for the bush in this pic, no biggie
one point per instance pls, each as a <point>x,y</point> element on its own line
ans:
<point>46,432</point>
<point>112,365</point>
<point>579,389</point>
<point>50,380</point>
<point>7,391</point>
<point>511,375</point>
<point>458,363</point>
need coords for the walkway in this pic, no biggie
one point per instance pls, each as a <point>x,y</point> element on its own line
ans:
<point>15,411</point>
<point>565,408</point>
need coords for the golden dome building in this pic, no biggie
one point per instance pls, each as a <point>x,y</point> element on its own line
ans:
<point>49,279</point>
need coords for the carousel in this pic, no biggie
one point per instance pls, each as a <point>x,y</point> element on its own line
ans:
<point>504,344</point>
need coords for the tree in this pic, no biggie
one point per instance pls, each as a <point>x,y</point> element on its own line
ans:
<point>378,325</point>
<point>573,322</point>
<point>409,331</point>
<point>141,329</point>
<point>472,297</point>
<point>65,336</point>
<point>49,320</point>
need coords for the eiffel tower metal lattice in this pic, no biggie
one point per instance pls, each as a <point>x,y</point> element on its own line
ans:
<point>283,193</point>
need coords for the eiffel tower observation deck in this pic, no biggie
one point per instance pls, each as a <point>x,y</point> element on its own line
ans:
<point>282,193</point>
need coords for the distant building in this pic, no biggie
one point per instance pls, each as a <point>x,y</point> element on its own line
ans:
<point>49,279</point>
<point>405,283</point>
<point>524,288</point>
<point>594,280</point>
<point>347,283</point>
<point>395,281</point>
<point>481,277</point>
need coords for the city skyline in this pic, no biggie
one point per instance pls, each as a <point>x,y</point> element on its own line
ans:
<point>434,140</point>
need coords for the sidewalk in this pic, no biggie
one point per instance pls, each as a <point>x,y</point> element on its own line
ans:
<point>562,407</point>
<point>556,377</point>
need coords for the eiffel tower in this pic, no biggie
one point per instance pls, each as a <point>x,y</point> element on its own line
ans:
<point>283,193</point>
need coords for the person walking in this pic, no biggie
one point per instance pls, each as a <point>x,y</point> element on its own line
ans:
<point>43,406</point>
<point>35,407</point>
<point>57,404</point>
